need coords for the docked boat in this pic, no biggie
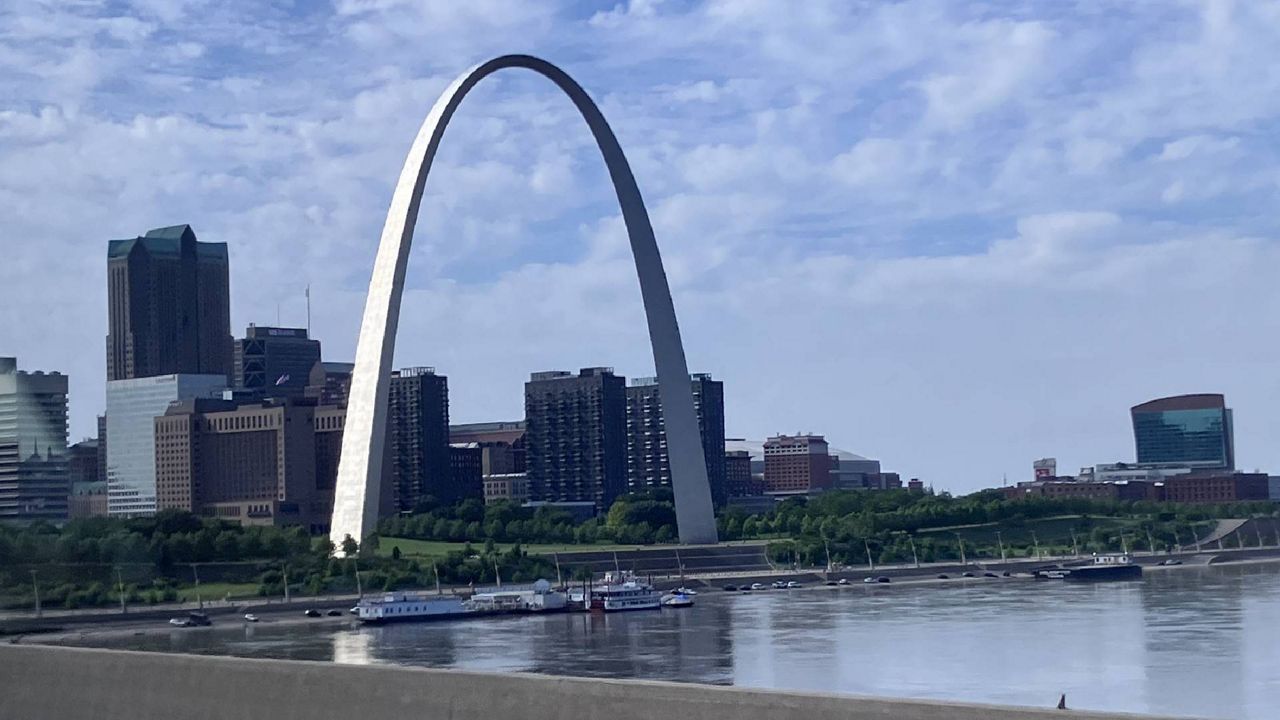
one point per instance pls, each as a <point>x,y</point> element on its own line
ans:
<point>536,598</point>
<point>622,591</point>
<point>407,607</point>
<point>1106,567</point>
<point>677,599</point>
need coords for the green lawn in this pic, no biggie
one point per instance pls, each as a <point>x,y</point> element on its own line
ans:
<point>1047,530</point>
<point>217,591</point>
<point>435,548</point>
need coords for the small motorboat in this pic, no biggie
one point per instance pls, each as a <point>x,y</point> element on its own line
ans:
<point>677,600</point>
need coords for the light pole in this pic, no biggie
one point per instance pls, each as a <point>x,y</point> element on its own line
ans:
<point>1000,540</point>
<point>1036,542</point>
<point>961,541</point>
<point>870,563</point>
<point>284,569</point>
<point>196,575</point>
<point>35,586</point>
<point>1151,543</point>
<point>1075,546</point>
<point>914,557</point>
<point>120,586</point>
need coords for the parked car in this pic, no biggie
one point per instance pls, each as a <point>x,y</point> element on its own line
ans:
<point>1006,573</point>
<point>1170,561</point>
<point>831,583</point>
<point>843,581</point>
<point>179,622</point>
<point>779,584</point>
<point>334,613</point>
<point>793,584</point>
<point>757,586</point>
<point>944,576</point>
<point>731,588</point>
<point>868,580</point>
<point>312,613</point>
<point>967,574</point>
<point>250,617</point>
<point>198,619</point>
<point>989,574</point>
<point>355,610</point>
<point>882,579</point>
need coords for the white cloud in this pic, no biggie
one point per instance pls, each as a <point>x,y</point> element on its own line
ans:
<point>966,237</point>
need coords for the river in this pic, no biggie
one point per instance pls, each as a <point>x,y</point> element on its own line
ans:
<point>1184,641</point>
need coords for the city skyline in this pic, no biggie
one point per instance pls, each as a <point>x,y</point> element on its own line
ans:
<point>980,304</point>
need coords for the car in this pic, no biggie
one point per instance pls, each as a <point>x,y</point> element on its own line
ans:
<point>779,584</point>
<point>198,619</point>
<point>792,584</point>
<point>843,581</point>
<point>989,574</point>
<point>179,622</point>
<point>757,586</point>
<point>250,617</point>
<point>967,574</point>
<point>731,588</point>
<point>1006,573</point>
<point>312,613</point>
<point>355,610</point>
<point>334,613</point>
<point>832,583</point>
<point>868,580</point>
<point>1170,561</point>
<point>882,579</point>
<point>943,576</point>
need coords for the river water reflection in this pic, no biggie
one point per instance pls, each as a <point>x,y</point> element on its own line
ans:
<point>1202,642</point>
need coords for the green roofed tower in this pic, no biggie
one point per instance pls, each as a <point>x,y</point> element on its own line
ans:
<point>169,308</point>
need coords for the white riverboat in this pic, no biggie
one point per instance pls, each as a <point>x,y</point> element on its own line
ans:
<point>622,591</point>
<point>407,607</point>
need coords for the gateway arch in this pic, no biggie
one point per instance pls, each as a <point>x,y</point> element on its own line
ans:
<point>356,496</point>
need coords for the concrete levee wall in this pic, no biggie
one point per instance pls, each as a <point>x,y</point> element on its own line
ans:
<point>56,683</point>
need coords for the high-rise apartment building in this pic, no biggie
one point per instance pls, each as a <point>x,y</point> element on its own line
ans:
<point>576,436</point>
<point>34,480</point>
<point>168,306</point>
<point>274,362</point>
<point>418,433</point>
<point>648,464</point>
<point>466,470</point>
<point>737,472</point>
<point>796,464</point>
<point>132,407</point>
<point>1190,430</point>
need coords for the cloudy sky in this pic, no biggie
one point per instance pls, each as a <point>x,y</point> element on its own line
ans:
<point>955,237</point>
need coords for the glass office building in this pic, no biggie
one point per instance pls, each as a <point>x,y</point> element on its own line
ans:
<point>132,407</point>
<point>1191,430</point>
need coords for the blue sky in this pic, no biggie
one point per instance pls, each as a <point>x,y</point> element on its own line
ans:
<point>952,236</point>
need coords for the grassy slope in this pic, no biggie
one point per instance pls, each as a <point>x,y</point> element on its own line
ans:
<point>434,548</point>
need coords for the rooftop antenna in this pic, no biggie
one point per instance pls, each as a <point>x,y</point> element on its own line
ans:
<point>308,309</point>
<point>277,313</point>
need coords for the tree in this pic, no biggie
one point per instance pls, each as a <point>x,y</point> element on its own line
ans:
<point>395,552</point>
<point>349,546</point>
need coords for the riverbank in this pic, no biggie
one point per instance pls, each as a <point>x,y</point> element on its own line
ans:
<point>87,627</point>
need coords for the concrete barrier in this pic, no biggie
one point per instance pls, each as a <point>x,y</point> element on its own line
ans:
<point>58,683</point>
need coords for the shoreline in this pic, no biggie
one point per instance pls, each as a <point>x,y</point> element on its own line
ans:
<point>155,621</point>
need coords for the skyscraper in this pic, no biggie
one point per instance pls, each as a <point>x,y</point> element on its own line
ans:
<point>1190,430</point>
<point>168,306</point>
<point>274,362</point>
<point>418,431</point>
<point>576,436</point>
<point>648,464</point>
<point>34,481</point>
<point>132,407</point>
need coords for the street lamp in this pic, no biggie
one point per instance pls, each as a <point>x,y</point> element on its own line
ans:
<point>36,587</point>
<point>1000,540</point>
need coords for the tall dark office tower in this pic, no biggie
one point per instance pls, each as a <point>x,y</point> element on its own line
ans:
<point>274,362</point>
<point>1191,430</point>
<point>34,480</point>
<point>418,428</point>
<point>169,306</point>
<point>648,464</point>
<point>576,436</point>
